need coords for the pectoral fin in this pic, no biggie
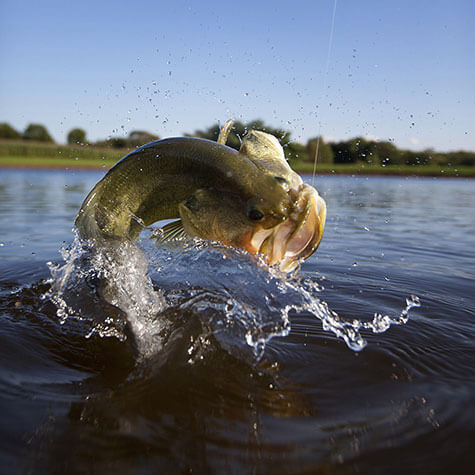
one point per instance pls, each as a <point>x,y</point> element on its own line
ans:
<point>173,231</point>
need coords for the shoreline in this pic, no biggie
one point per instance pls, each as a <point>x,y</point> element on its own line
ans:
<point>47,166</point>
<point>359,172</point>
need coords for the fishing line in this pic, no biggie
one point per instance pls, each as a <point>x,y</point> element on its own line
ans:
<point>325,77</point>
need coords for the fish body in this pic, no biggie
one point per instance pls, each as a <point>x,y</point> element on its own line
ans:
<point>249,199</point>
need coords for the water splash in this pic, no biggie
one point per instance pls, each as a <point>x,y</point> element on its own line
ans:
<point>109,288</point>
<point>242,303</point>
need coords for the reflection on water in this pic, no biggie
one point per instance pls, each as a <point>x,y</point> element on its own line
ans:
<point>198,403</point>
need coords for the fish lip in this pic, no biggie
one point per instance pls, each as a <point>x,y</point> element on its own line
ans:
<point>312,219</point>
<point>299,236</point>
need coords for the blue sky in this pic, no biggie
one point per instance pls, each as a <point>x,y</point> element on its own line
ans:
<point>401,70</point>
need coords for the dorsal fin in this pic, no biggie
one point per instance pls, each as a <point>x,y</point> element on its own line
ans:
<point>257,144</point>
<point>267,154</point>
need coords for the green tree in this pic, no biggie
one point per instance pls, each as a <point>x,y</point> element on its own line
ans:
<point>295,151</point>
<point>410,157</point>
<point>140,137</point>
<point>460,158</point>
<point>8,132</point>
<point>385,153</point>
<point>117,142</point>
<point>113,142</point>
<point>342,152</point>
<point>38,133</point>
<point>325,151</point>
<point>359,149</point>
<point>76,136</point>
<point>211,133</point>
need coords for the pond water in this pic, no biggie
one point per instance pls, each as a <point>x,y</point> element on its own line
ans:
<point>213,363</point>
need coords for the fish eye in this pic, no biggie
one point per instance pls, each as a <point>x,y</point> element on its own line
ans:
<point>254,214</point>
<point>281,179</point>
<point>192,203</point>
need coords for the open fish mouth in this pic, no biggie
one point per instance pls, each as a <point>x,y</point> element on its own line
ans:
<point>298,236</point>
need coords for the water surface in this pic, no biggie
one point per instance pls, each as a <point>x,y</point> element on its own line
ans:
<point>79,397</point>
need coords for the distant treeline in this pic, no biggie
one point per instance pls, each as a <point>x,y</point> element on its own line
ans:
<point>75,137</point>
<point>355,150</point>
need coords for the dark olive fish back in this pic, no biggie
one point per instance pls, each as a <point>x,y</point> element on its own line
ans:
<point>148,184</point>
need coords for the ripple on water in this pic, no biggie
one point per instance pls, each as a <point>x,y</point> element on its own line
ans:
<point>77,398</point>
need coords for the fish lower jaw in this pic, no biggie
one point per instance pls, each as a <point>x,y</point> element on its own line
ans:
<point>298,236</point>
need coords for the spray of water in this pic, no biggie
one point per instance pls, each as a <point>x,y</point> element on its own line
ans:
<point>128,291</point>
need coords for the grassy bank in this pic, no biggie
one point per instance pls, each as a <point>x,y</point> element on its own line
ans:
<point>36,150</point>
<point>398,170</point>
<point>37,155</point>
<point>45,162</point>
<point>40,155</point>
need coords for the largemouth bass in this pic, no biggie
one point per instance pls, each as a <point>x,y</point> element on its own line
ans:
<point>250,199</point>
